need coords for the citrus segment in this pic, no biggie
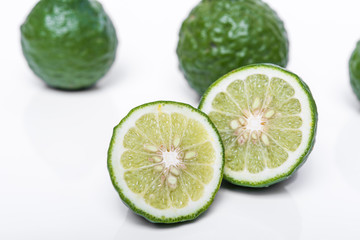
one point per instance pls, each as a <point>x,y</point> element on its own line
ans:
<point>179,197</point>
<point>149,125</point>
<point>221,120</point>
<point>292,106</point>
<point>237,91</point>
<point>256,89</point>
<point>157,196</point>
<point>178,126</point>
<point>276,155</point>
<point>255,161</point>
<point>193,187</point>
<point>135,140</point>
<point>235,157</point>
<point>203,172</point>
<point>194,133</point>
<point>224,103</point>
<point>165,127</point>
<point>288,139</point>
<point>280,91</point>
<point>292,122</point>
<point>133,160</point>
<point>139,179</point>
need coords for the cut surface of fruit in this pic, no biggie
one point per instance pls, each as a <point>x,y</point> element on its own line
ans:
<point>267,119</point>
<point>166,161</point>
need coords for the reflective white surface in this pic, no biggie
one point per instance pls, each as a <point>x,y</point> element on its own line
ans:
<point>54,182</point>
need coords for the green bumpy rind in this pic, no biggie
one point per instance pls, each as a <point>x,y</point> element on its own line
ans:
<point>70,44</point>
<point>222,35</point>
<point>132,206</point>
<point>354,70</point>
<point>301,160</point>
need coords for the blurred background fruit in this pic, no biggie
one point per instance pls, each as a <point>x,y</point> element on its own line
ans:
<point>70,44</point>
<point>219,36</point>
<point>354,67</point>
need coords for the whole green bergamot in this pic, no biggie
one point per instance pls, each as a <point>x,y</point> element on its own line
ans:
<point>221,35</point>
<point>70,44</point>
<point>354,68</point>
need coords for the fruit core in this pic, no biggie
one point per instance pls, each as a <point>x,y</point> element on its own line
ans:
<point>252,125</point>
<point>255,123</point>
<point>170,158</point>
<point>169,162</point>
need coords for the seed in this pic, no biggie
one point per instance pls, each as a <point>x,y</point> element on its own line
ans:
<point>246,135</point>
<point>150,147</point>
<point>156,159</point>
<point>174,171</point>
<point>176,141</point>
<point>158,168</point>
<point>234,124</point>
<point>171,181</point>
<point>256,103</point>
<point>269,113</point>
<point>190,154</point>
<point>254,135</point>
<point>265,139</point>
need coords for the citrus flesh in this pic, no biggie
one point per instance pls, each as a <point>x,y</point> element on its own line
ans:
<point>219,36</point>
<point>69,44</point>
<point>267,119</point>
<point>166,161</point>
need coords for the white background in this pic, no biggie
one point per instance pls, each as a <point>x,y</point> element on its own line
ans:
<point>54,182</point>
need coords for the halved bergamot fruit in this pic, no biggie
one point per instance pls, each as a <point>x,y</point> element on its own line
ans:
<point>166,161</point>
<point>267,119</point>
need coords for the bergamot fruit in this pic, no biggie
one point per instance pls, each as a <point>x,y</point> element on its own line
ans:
<point>166,161</point>
<point>354,68</point>
<point>70,44</point>
<point>221,35</point>
<point>267,119</point>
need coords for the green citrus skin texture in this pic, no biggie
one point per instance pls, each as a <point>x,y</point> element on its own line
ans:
<point>69,44</point>
<point>221,35</point>
<point>354,69</point>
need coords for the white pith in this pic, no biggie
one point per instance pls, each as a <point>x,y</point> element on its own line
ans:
<point>254,123</point>
<point>305,115</point>
<point>170,158</point>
